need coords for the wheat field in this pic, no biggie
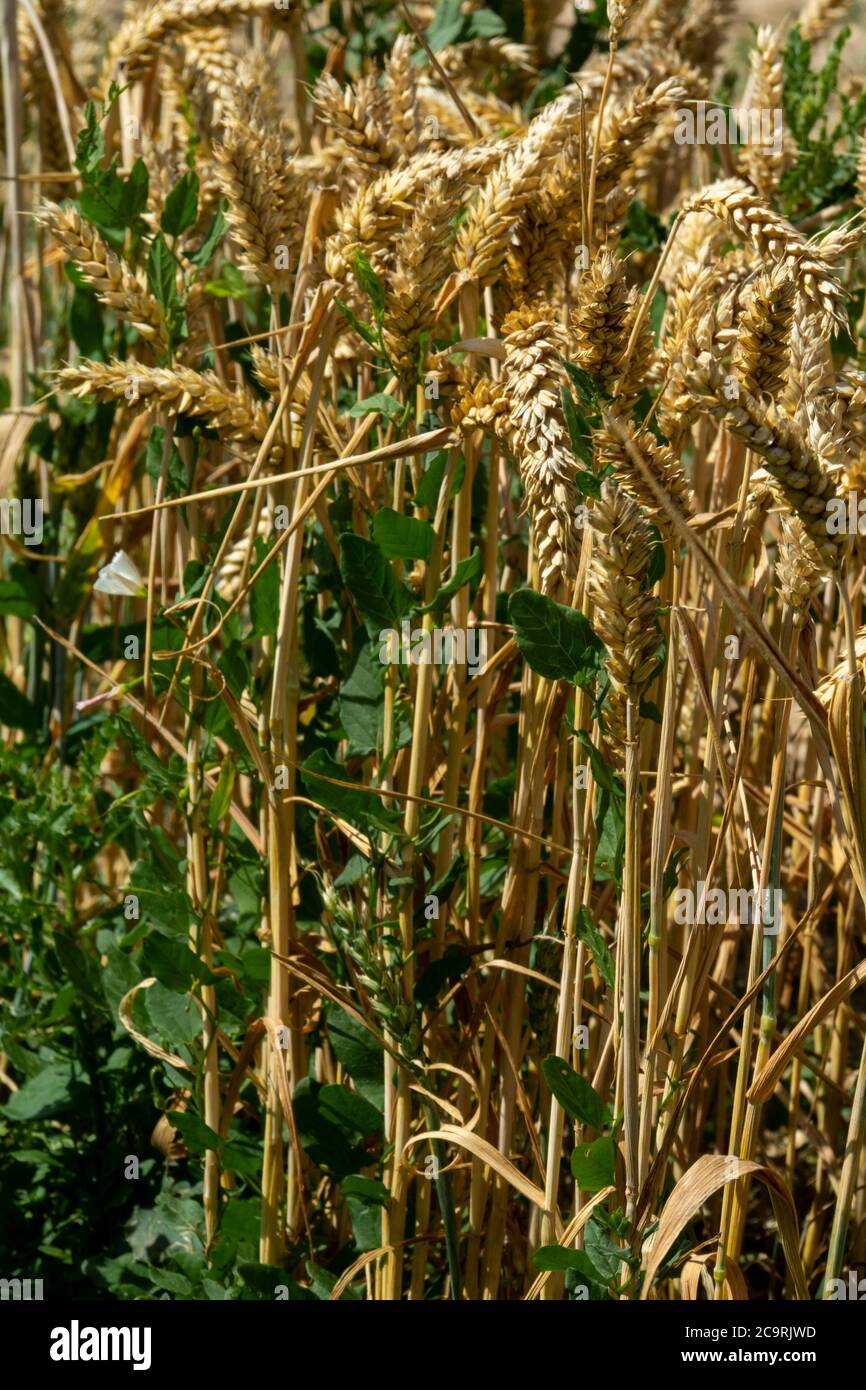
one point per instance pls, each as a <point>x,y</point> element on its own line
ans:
<point>433,789</point>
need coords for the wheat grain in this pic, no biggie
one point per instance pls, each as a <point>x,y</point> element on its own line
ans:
<point>763,163</point>
<point>352,119</point>
<point>625,611</point>
<point>402,97</point>
<point>799,570</point>
<point>532,381</point>
<point>484,237</point>
<point>111,278</point>
<point>422,261</point>
<point>142,39</point>
<point>761,356</point>
<point>754,220</point>
<point>238,414</point>
<point>265,201</point>
<point>806,483</point>
<point>818,17</point>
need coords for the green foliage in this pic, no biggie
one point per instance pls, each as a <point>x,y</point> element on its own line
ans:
<point>114,204</point>
<point>181,205</point>
<point>587,932</point>
<point>558,642</point>
<point>402,537</point>
<point>382,599</point>
<point>575,1094</point>
<point>594,1165</point>
<point>826,125</point>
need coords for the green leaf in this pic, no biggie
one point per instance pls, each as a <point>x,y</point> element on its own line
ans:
<point>195,1133</point>
<point>161,274</point>
<point>574,1093</point>
<point>447,25</point>
<point>359,1053</point>
<point>610,813</point>
<point>556,1257</point>
<point>221,796</point>
<point>379,403</point>
<point>85,323</point>
<point>587,389</point>
<point>587,932</point>
<point>265,597</point>
<point>610,832</point>
<point>325,1142</point>
<point>371,285</point>
<point>215,232</point>
<point>80,968</point>
<point>46,1094</point>
<point>181,205</point>
<point>99,203</point>
<point>486,24</point>
<point>467,572</point>
<point>16,711</point>
<point>643,230</point>
<point>578,429</point>
<point>243,1158</point>
<point>266,1279</point>
<point>172,1283</point>
<point>594,1165</point>
<point>119,976</point>
<point>402,537</point>
<point>366,1189</point>
<point>427,494</point>
<point>601,773</point>
<point>363,329</point>
<point>162,902</point>
<point>648,709</point>
<point>558,642</point>
<point>19,594</point>
<point>605,1256</point>
<point>113,203</point>
<point>451,966</point>
<point>656,567</point>
<point>354,1115</point>
<point>362,712</point>
<point>133,199</point>
<point>175,483</point>
<point>381,598</point>
<point>174,1017</point>
<point>173,963</point>
<point>229,284</point>
<point>90,146</point>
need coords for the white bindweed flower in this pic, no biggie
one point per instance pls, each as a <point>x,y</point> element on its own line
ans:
<point>121,576</point>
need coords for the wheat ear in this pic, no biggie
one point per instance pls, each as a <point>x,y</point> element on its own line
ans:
<point>423,257</point>
<point>113,281</point>
<point>238,414</point>
<point>762,351</point>
<point>803,479</point>
<point>532,380</point>
<point>625,610</point>
<point>144,37</point>
<point>751,217</point>
<point>402,96</point>
<point>763,163</point>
